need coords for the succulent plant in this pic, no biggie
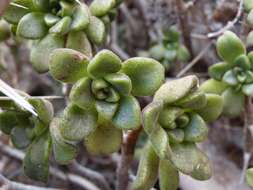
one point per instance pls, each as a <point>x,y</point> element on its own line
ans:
<point>174,122</point>
<point>58,24</point>
<point>31,134</point>
<point>102,102</point>
<point>170,50</point>
<point>232,78</point>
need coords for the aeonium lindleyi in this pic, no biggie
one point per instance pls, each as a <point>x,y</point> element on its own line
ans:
<point>174,122</point>
<point>232,78</point>
<point>102,99</point>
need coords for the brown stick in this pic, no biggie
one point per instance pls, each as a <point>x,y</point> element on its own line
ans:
<point>127,153</point>
<point>3,6</point>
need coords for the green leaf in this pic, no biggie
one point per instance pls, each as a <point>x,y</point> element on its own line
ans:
<point>96,31</point>
<point>176,89</point>
<point>103,63</point>
<point>67,65</point>
<point>121,82</point>
<point>81,94</point>
<point>8,121</point>
<point>128,115</point>
<point>168,117</point>
<point>176,135</point>
<point>229,47</point>
<point>183,54</point>
<point>5,31</point>
<point>44,47</point>
<point>196,131</point>
<point>187,158</point>
<point>148,169</point>
<point>249,78</point>
<point>77,123</point>
<point>44,110</point>
<point>64,152</point>
<point>36,161</point>
<point>247,89</point>
<point>243,62</point>
<point>81,18</point>
<point>168,176</point>
<point>249,177</point>
<point>19,137</point>
<point>213,108</point>
<point>100,8</point>
<point>32,26</point>
<point>248,5</point>
<point>233,102</point>
<point>250,18</point>
<point>217,70</point>
<point>41,5</point>
<point>195,100</point>
<point>14,13</point>
<point>157,135</point>
<point>157,52</point>
<point>146,75</point>
<point>106,110</point>
<point>79,41</point>
<point>213,86</point>
<point>230,78</point>
<point>106,139</point>
<point>51,19</point>
<point>62,27</point>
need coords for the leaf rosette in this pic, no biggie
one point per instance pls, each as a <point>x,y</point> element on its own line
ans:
<point>102,99</point>
<point>174,122</point>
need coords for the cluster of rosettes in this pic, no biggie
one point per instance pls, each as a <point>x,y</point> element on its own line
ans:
<point>232,78</point>
<point>30,133</point>
<point>55,24</point>
<point>174,122</point>
<point>170,50</point>
<point>102,102</point>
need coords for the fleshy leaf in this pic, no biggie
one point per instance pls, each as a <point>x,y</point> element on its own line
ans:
<point>19,137</point>
<point>81,18</point>
<point>249,177</point>
<point>51,19</point>
<point>41,5</point>
<point>128,115</point>
<point>248,90</point>
<point>157,52</point>
<point>168,117</point>
<point>146,75</point>
<point>217,70</point>
<point>44,47</point>
<point>96,31</point>
<point>213,86</point>
<point>32,26</point>
<point>176,89</point>
<point>67,65</point>
<point>183,54</point>
<point>121,82</point>
<point>230,78</point>
<point>243,62</point>
<point>77,123</point>
<point>101,7</point>
<point>213,108</point>
<point>176,135</point>
<point>106,110</point>
<point>79,41</point>
<point>106,139</point>
<point>63,151</point>
<point>14,13</point>
<point>168,176</point>
<point>229,46</point>
<point>81,94</point>
<point>36,161</point>
<point>187,158</point>
<point>62,27</point>
<point>8,121</point>
<point>248,5</point>
<point>104,62</point>
<point>250,18</point>
<point>157,135</point>
<point>233,102</point>
<point>196,131</point>
<point>148,169</point>
<point>5,32</point>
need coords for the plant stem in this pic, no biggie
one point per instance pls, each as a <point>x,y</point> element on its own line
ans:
<point>127,153</point>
